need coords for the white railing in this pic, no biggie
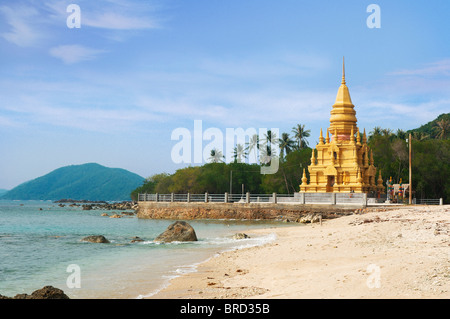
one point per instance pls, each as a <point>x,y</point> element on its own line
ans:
<point>297,198</point>
<point>429,201</point>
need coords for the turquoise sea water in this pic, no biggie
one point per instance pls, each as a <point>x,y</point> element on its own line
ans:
<point>39,241</point>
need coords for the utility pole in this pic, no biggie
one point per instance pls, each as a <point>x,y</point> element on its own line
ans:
<point>410,175</point>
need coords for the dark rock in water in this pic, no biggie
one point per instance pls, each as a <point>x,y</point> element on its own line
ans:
<point>178,231</point>
<point>96,239</point>
<point>240,236</point>
<point>136,239</point>
<point>47,292</point>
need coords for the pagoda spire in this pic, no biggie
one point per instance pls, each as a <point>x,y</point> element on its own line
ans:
<point>343,70</point>
<point>343,115</point>
<point>304,179</point>
<point>321,137</point>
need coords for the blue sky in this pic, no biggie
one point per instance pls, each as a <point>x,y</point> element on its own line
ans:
<point>114,90</point>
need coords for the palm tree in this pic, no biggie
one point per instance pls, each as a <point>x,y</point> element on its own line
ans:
<point>420,136</point>
<point>216,156</point>
<point>300,135</point>
<point>266,149</point>
<point>286,144</point>
<point>253,144</point>
<point>401,134</point>
<point>386,132</point>
<point>239,153</point>
<point>375,132</point>
<point>442,128</point>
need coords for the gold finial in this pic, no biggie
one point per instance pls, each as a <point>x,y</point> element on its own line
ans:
<point>304,179</point>
<point>321,137</point>
<point>328,136</point>
<point>359,179</point>
<point>380,179</point>
<point>343,70</point>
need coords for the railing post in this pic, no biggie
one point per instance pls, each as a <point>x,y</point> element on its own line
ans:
<point>247,197</point>
<point>441,201</point>
<point>302,198</point>
<point>274,196</point>
<point>156,197</point>
<point>206,197</point>
<point>333,198</point>
<point>171,197</point>
<point>364,200</point>
<point>226,197</point>
<point>188,197</point>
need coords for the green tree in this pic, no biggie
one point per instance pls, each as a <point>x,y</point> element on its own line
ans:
<point>239,153</point>
<point>442,128</point>
<point>150,185</point>
<point>216,156</point>
<point>253,145</point>
<point>286,145</point>
<point>300,134</point>
<point>430,169</point>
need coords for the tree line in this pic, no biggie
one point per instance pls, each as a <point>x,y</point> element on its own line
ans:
<point>430,164</point>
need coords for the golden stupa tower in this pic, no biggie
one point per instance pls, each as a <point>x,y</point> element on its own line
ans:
<point>342,162</point>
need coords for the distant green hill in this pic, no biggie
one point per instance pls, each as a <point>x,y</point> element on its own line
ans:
<point>88,181</point>
<point>430,129</point>
<point>2,191</point>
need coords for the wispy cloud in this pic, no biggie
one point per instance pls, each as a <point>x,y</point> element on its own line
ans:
<point>22,21</point>
<point>107,14</point>
<point>441,67</point>
<point>71,54</point>
<point>117,21</point>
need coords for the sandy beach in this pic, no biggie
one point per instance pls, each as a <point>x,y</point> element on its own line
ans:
<point>397,253</point>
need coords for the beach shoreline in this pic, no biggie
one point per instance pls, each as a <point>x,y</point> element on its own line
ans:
<point>399,253</point>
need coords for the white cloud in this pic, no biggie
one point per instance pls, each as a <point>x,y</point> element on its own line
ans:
<point>23,32</point>
<point>71,54</point>
<point>107,14</point>
<point>441,67</point>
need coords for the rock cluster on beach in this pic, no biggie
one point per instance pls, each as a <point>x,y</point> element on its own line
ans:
<point>111,206</point>
<point>47,292</point>
<point>100,205</point>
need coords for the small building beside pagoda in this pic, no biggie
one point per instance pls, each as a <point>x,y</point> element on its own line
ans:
<point>342,162</point>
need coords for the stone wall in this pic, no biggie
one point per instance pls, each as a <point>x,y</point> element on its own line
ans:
<point>189,211</point>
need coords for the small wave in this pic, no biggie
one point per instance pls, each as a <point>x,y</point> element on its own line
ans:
<point>191,268</point>
<point>256,241</point>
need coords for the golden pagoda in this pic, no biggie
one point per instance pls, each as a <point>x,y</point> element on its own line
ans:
<point>342,163</point>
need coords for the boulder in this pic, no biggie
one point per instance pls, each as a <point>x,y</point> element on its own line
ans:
<point>96,239</point>
<point>311,218</point>
<point>47,292</point>
<point>136,239</point>
<point>240,236</point>
<point>178,231</point>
